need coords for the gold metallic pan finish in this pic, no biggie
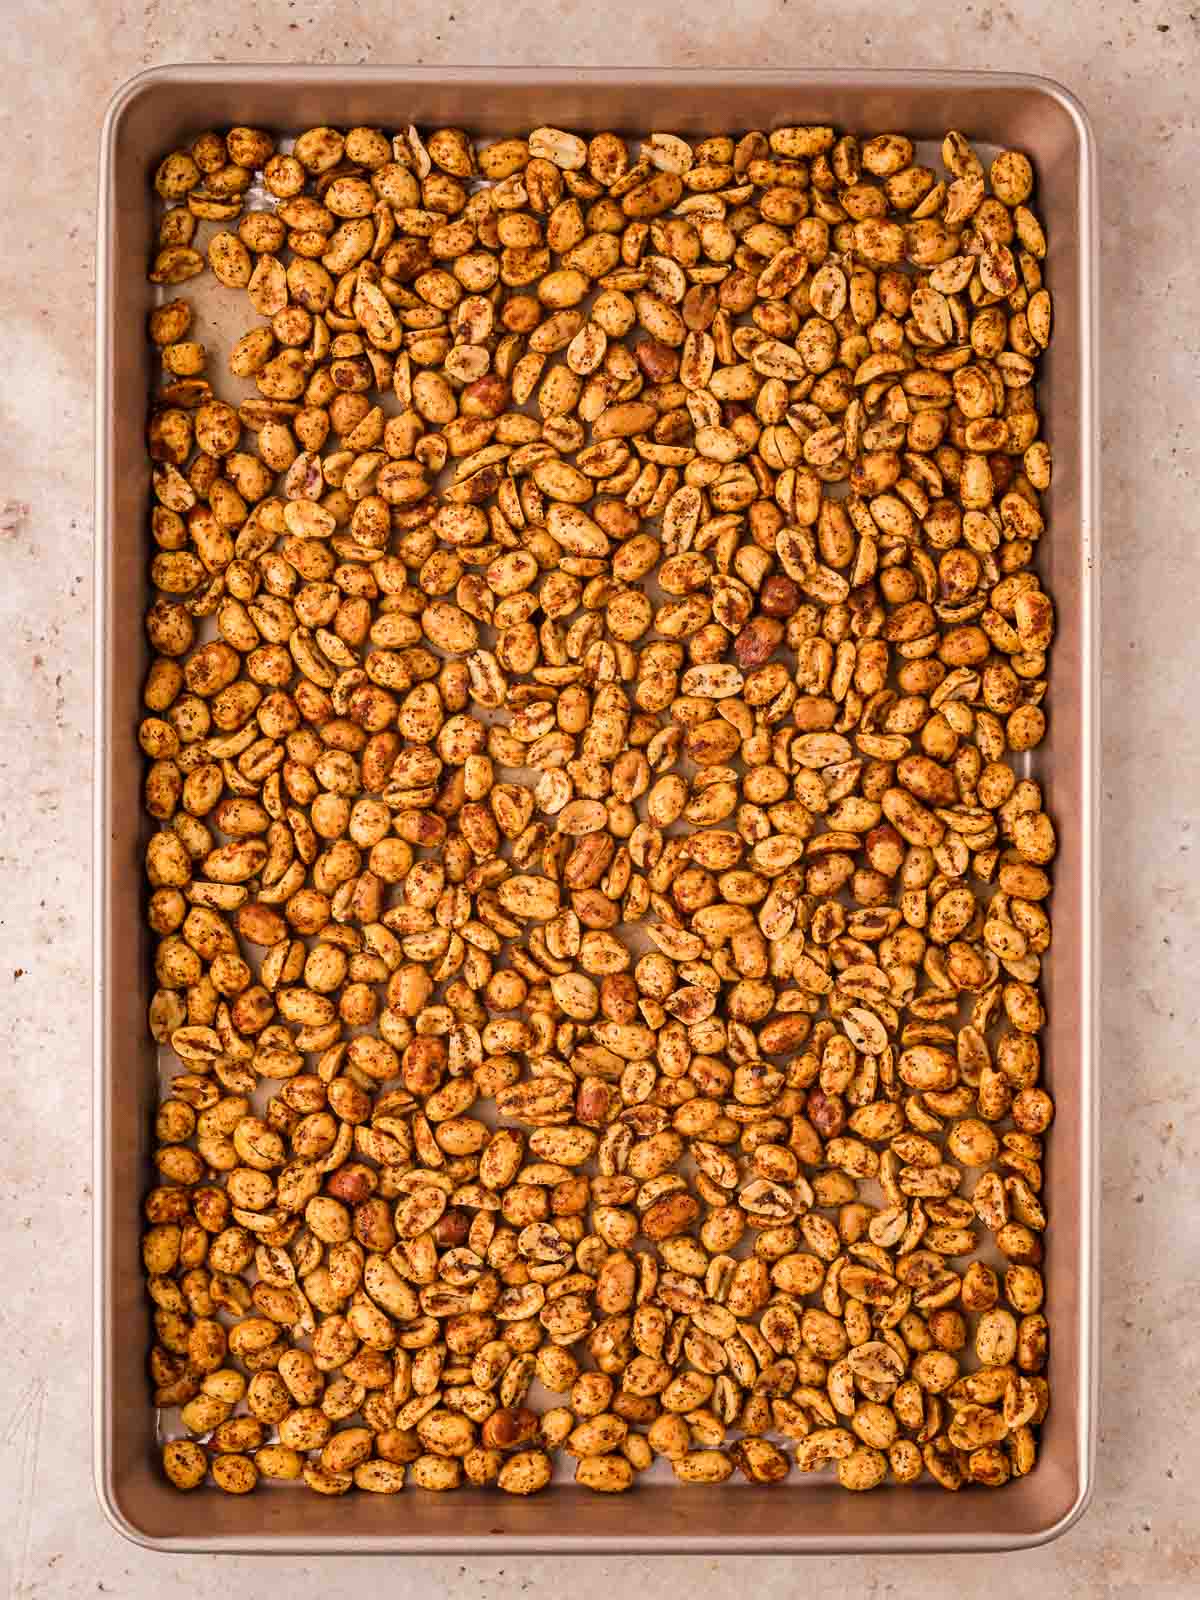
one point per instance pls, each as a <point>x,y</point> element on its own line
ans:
<point>612,699</point>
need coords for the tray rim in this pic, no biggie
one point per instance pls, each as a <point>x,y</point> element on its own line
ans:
<point>156,78</point>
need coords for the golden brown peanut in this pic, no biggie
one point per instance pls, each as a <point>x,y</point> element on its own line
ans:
<point>321,1481</point>
<point>611,1474</point>
<point>278,1461</point>
<point>379,1477</point>
<point>760,1461</point>
<point>235,1474</point>
<point>862,1469</point>
<point>185,1463</point>
<point>703,1466</point>
<point>438,1473</point>
<point>526,1472</point>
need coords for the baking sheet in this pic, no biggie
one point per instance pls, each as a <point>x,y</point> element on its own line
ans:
<point>163,108</point>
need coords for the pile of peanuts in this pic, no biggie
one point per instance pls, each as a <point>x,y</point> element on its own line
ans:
<point>599,919</point>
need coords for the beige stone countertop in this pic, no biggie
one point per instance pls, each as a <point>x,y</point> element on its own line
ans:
<point>1135,65</point>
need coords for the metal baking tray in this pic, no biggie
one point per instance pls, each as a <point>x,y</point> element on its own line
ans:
<point>162,108</point>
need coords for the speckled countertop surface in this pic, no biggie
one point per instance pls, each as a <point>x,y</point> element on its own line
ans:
<point>1135,66</point>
